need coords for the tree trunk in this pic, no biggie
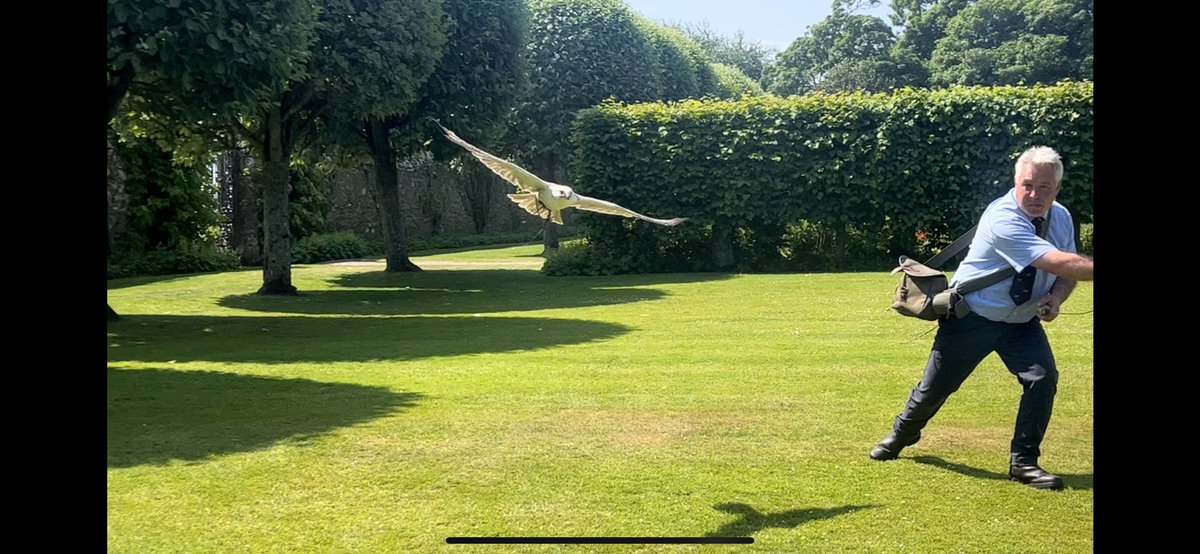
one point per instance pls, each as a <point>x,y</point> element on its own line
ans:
<point>118,202</point>
<point>246,238</point>
<point>722,245</point>
<point>387,187</point>
<point>277,262</point>
<point>549,237</point>
<point>117,91</point>
<point>841,238</point>
<point>239,208</point>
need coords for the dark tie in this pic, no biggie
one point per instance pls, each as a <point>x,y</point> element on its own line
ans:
<point>1022,283</point>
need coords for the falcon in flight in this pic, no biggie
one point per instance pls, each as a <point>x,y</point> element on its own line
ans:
<point>544,199</point>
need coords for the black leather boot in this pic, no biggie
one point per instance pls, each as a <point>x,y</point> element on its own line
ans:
<point>1034,476</point>
<point>889,448</point>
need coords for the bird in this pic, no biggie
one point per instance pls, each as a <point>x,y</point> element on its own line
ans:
<point>545,199</point>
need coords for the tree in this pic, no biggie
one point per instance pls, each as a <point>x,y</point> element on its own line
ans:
<point>370,59</point>
<point>209,54</point>
<point>924,23</point>
<point>581,52</point>
<point>876,75</point>
<point>841,37</point>
<point>479,74</point>
<point>904,11</point>
<point>751,58</point>
<point>684,70</point>
<point>1006,42</point>
<point>732,83</point>
<point>239,205</point>
<point>206,59</point>
<point>171,204</point>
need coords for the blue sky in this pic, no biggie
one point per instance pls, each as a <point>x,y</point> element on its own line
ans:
<point>775,23</point>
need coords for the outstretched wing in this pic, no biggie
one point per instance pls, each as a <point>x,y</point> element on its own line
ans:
<point>511,172</point>
<point>605,207</point>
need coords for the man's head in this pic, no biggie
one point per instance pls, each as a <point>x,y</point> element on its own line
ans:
<point>1038,179</point>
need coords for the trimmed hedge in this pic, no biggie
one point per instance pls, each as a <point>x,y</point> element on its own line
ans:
<point>733,82</point>
<point>886,166</point>
<point>170,262</point>
<point>324,247</point>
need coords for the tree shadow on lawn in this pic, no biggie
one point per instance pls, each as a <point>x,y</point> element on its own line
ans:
<point>753,521</point>
<point>287,339</point>
<point>463,292</point>
<point>156,416</point>
<point>1074,481</point>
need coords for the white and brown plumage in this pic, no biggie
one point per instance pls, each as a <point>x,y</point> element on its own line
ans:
<point>545,199</point>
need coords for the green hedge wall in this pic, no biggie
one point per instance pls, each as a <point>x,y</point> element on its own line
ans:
<point>880,165</point>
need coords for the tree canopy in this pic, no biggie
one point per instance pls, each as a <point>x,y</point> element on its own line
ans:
<point>1005,42</point>
<point>842,37</point>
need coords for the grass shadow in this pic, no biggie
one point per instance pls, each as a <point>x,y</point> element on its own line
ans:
<point>504,277</point>
<point>753,521</point>
<point>1072,481</point>
<point>285,339</point>
<point>462,292</point>
<point>156,416</point>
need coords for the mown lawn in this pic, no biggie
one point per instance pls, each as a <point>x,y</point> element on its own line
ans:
<point>386,412</point>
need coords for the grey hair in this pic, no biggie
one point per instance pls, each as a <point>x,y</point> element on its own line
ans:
<point>1039,155</point>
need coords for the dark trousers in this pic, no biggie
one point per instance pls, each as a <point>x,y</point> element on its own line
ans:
<point>959,347</point>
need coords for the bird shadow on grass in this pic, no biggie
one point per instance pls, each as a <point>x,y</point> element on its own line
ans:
<point>752,521</point>
<point>1072,481</point>
<point>463,292</point>
<point>157,416</point>
<point>292,339</point>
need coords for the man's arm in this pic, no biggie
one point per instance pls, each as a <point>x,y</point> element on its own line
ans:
<point>1068,265</point>
<point>1062,289</point>
<point>1049,306</point>
<point>1069,268</point>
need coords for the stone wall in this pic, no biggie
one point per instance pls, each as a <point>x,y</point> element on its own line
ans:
<point>435,200</point>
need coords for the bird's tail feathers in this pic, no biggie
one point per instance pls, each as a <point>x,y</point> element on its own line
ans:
<point>529,201</point>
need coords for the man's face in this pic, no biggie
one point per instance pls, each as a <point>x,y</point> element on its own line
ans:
<point>1036,188</point>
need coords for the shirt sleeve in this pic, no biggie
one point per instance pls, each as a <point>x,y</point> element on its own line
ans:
<point>1016,242</point>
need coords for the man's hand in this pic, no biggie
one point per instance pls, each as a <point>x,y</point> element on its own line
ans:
<point>1048,307</point>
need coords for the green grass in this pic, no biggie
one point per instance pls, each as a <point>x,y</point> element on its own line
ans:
<point>384,413</point>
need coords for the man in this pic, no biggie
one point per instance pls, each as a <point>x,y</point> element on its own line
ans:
<point>1006,317</point>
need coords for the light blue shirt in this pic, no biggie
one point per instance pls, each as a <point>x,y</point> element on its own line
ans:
<point>1006,238</point>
